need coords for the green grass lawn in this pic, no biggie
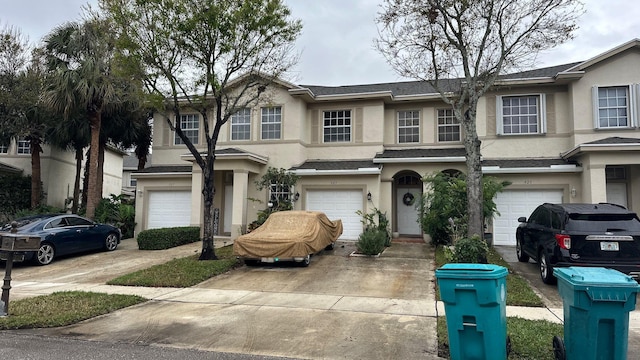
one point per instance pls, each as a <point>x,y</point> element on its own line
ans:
<point>530,339</point>
<point>181,272</point>
<point>63,308</point>
<point>70,307</point>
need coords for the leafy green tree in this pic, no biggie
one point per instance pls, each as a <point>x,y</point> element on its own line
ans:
<point>461,47</point>
<point>212,56</point>
<point>443,209</point>
<point>22,115</point>
<point>83,75</point>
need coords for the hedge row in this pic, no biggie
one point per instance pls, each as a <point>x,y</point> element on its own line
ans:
<point>165,238</point>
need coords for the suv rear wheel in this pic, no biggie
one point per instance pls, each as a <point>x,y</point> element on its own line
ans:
<point>546,269</point>
<point>522,257</point>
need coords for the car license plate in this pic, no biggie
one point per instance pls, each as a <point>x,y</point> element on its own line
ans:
<point>609,246</point>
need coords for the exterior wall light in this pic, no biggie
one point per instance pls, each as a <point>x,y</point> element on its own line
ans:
<point>296,196</point>
<point>369,196</point>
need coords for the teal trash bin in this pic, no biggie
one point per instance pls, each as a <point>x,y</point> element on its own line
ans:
<point>474,297</point>
<point>596,304</point>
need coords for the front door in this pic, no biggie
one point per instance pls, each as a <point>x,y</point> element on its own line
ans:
<point>406,201</point>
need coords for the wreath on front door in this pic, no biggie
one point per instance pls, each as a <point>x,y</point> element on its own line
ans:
<point>408,199</point>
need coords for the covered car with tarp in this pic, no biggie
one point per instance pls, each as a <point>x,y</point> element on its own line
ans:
<point>288,236</point>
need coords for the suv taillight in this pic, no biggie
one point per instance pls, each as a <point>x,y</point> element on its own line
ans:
<point>564,241</point>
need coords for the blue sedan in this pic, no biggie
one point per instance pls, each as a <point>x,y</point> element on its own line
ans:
<point>66,234</point>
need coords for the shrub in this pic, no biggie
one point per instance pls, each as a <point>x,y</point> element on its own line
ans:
<point>468,250</point>
<point>118,212</point>
<point>371,241</point>
<point>165,238</point>
<point>446,202</point>
<point>15,195</point>
<point>369,222</point>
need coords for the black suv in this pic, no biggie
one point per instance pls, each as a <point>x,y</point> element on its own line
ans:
<point>560,235</point>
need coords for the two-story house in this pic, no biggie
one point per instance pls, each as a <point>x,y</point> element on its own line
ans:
<point>58,170</point>
<point>567,133</point>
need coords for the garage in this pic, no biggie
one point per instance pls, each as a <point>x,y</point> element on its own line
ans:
<point>339,204</point>
<point>512,204</point>
<point>169,209</point>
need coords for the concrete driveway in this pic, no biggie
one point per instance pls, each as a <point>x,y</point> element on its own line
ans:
<point>340,307</point>
<point>531,273</point>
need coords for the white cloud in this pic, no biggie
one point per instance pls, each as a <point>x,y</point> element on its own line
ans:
<point>336,44</point>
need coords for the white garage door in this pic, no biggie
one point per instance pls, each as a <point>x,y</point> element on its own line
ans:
<point>339,204</point>
<point>169,209</point>
<point>511,205</point>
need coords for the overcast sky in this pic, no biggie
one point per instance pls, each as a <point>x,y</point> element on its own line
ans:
<point>336,44</point>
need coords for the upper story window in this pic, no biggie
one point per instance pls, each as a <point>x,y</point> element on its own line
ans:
<point>241,125</point>
<point>613,107</point>
<point>337,126</point>
<point>24,147</point>
<point>4,149</point>
<point>408,126</point>
<point>271,123</point>
<point>521,114</point>
<point>448,126</point>
<point>190,125</point>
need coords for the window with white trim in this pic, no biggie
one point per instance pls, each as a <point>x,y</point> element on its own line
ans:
<point>614,107</point>
<point>521,114</point>
<point>271,124</point>
<point>336,126</point>
<point>4,149</point>
<point>241,125</point>
<point>24,146</point>
<point>448,126</point>
<point>190,125</point>
<point>408,126</point>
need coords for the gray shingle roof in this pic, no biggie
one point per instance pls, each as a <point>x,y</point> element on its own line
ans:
<point>130,161</point>
<point>615,140</point>
<point>422,87</point>
<point>6,168</point>
<point>525,163</point>
<point>336,165</point>
<point>417,153</point>
<point>165,169</point>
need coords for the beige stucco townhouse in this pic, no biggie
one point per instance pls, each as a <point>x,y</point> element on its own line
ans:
<point>58,170</point>
<point>568,133</point>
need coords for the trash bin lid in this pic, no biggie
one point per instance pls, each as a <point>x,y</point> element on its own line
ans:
<point>594,276</point>
<point>471,271</point>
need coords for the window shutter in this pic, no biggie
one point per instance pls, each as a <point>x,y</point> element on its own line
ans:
<point>634,92</point>
<point>358,126</point>
<point>594,101</point>
<point>551,114</point>
<point>166,134</point>
<point>499,127</point>
<point>543,114</point>
<point>315,127</point>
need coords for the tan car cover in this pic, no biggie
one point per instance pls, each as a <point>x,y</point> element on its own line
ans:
<point>288,234</point>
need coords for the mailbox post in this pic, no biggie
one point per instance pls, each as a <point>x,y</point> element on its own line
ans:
<point>12,242</point>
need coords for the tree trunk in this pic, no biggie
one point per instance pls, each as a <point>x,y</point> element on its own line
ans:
<point>95,120</point>
<point>100,183</point>
<point>475,225</point>
<point>208,192</point>
<point>76,183</point>
<point>36,177</point>
<point>85,181</point>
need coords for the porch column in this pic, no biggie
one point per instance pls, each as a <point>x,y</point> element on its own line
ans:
<point>239,213</point>
<point>594,184</point>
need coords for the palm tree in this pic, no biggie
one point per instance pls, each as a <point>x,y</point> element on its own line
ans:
<point>80,58</point>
